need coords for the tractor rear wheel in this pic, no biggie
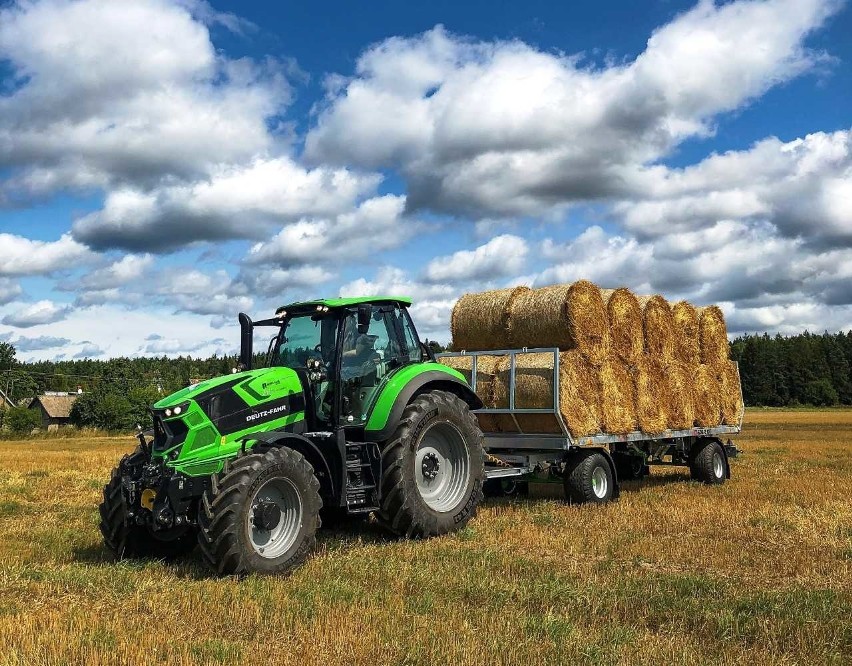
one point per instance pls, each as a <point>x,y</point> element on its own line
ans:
<point>260,514</point>
<point>433,468</point>
<point>125,539</point>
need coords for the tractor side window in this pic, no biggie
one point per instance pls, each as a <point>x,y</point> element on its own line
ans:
<point>412,342</point>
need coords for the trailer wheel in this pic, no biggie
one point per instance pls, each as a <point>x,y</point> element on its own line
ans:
<point>433,468</point>
<point>588,479</point>
<point>505,488</point>
<point>260,514</point>
<point>708,463</point>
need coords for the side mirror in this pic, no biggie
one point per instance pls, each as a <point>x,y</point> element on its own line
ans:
<point>365,313</point>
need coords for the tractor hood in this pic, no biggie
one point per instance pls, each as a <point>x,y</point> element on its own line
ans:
<point>254,386</point>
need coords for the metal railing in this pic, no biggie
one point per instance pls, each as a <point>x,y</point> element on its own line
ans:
<point>563,439</point>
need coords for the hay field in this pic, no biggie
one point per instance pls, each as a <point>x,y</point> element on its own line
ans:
<point>758,571</point>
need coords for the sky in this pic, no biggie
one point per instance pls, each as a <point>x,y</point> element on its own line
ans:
<point>166,164</point>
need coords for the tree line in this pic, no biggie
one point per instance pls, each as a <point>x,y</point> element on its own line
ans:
<point>805,369</point>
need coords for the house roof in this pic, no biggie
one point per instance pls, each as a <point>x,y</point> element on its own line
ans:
<point>56,406</point>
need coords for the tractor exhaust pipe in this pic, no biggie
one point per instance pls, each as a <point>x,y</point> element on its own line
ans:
<point>246,341</point>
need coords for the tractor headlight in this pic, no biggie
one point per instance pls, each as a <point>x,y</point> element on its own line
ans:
<point>177,410</point>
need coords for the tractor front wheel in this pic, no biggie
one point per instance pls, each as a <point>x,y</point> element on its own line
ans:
<point>432,468</point>
<point>125,539</point>
<point>260,514</point>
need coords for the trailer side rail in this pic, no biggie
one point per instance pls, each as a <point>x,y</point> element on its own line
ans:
<point>565,441</point>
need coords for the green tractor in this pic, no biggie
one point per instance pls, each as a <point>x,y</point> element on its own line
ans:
<point>350,415</point>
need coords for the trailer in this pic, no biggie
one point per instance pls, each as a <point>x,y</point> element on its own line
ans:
<point>591,467</point>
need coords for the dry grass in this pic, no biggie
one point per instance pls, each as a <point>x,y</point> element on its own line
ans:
<point>757,571</point>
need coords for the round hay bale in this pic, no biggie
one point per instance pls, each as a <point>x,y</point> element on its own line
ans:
<point>480,322</point>
<point>533,390</point>
<point>625,323</point>
<point>579,394</point>
<point>706,394</point>
<point>618,399</point>
<point>486,372</point>
<point>686,332</point>
<point>680,410</point>
<point>713,336</point>
<point>651,386</point>
<point>658,326</point>
<point>730,393</point>
<point>564,316</point>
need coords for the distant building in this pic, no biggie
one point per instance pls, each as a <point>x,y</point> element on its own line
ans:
<point>55,409</point>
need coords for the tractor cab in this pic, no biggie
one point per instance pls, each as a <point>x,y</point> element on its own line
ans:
<point>341,350</point>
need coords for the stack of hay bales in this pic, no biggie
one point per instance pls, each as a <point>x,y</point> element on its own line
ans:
<point>626,363</point>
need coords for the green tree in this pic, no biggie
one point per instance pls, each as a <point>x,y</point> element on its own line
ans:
<point>819,393</point>
<point>22,421</point>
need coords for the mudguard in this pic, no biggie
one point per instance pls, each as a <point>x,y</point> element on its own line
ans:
<point>401,389</point>
<point>327,464</point>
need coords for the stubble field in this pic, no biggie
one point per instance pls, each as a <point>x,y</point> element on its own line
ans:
<point>757,571</point>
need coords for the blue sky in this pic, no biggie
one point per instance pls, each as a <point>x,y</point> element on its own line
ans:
<point>164,165</point>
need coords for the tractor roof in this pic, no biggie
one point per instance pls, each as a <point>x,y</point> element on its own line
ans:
<point>346,302</point>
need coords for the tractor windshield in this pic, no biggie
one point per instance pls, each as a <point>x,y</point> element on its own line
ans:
<point>308,336</point>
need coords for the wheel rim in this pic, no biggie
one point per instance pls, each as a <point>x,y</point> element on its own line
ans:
<point>600,484</point>
<point>718,465</point>
<point>274,517</point>
<point>442,467</point>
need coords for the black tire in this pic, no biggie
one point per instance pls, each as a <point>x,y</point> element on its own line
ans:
<point>588,479</point>
<point>125,539</point>
<point>404,509</point>
<point>225,532</point>
<point>708,463</point>
<point>505,488</point>
<point>629,467</point>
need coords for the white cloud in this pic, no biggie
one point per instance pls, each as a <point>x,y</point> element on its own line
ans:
<point>124,92</point>
<point>24,344</point>
<point>803,186</point>
<point>36,314</point>
<point>123,332</point>
<point>9,290</point>
<point>129,268</point>
<point>23,256</point>
<point>376,224</point>
<point>432,303</point>
<point>504,129</point>
<point>234,202</point>
<point>501,256</point>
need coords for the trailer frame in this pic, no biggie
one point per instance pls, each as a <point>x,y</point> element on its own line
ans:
<point>521,453</point>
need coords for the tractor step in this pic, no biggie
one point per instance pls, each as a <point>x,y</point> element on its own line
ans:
<point>363,469</point>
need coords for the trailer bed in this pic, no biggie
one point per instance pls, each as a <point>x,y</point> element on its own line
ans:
<point>517,454</point>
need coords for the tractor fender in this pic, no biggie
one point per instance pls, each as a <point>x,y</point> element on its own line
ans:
<point>327,472</point>
<point>445,379</point>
